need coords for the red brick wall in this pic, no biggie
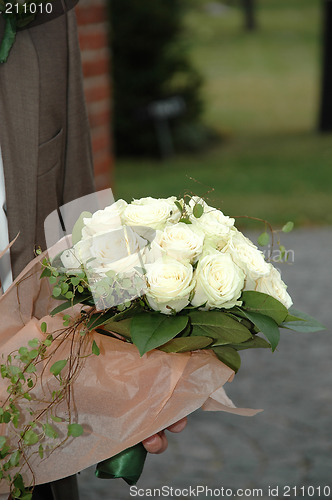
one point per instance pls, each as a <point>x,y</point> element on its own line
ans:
<point>93,36</point>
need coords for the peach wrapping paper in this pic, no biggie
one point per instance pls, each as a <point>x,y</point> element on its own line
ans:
<point>119,397</point>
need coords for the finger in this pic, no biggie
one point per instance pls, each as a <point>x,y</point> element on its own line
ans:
<point>178,426</point>
<point>156,444</point>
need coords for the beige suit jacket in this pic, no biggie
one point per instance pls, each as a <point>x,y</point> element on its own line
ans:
<point>44,131</point>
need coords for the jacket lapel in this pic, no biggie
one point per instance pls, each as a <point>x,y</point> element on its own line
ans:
<point>19,123</point>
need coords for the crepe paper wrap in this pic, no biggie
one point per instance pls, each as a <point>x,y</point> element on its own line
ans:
<point>118,397</point>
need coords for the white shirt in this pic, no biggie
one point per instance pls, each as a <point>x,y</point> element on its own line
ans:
<point>6,277</point>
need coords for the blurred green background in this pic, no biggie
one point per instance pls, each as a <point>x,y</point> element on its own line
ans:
<point>261,95</point>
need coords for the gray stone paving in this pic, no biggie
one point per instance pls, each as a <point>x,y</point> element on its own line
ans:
<point>290,443</point>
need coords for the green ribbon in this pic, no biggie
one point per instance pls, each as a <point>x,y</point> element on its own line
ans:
<point>8,38</point>
<point>127,464</point>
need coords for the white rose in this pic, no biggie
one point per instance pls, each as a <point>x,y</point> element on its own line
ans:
<point>247,256</point>
<point>151,212</point>
<point>105,220</point>
<point>219,282</point>
<point>179,241</point>
<point>274,286</point>
<point>215,225</point>
<point>169,285</point>
<point>117,250</point>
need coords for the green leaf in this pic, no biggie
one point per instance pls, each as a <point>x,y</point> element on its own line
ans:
<point>151,330</point>
<point>219,326</point>
<point>43,327</point>
<point>185,344</point>
<point>100,319</point>
<point>78,226</point>
<point>34,343</point>
<point>198,210</point>
<point>95,348</point>
<point>288,227</point>
<point>254,343</point>
<point>302,322</point>
<point>15,458</point>
<point>6,417</point>
<point>56,419</point>
<point>264,304</point>
<point>267,326</point>
<point>121,327</point>
<point>58,366</point>
<point>185,220</point>
<point>50,431</point>
<point>78,299</point>
<point>56,291</point>
<point>228,356</point>
<point>2,442</point>
<point>41,451</point>
<point>263,239</point>
<point>178,205</point>
<point>46,273</point>
<point>75,280</point>
<point>30,438</point>
<point>75,430</point>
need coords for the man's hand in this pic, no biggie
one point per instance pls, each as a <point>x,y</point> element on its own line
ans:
<point>158,442</point>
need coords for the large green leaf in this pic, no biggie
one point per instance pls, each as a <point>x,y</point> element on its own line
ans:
<point>184,344</point>
<point>228,356</point>
<point>121,327</point>
<point>264,304</point>
<point>267,326</point>
<point>219,326</point>
<point>254,343</point>
<point>78,226</point>
<point>151,330</point>
<point>302,322</point>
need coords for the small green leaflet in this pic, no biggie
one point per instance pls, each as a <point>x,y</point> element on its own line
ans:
<point>58,366</point>
<point>151,330</point>
<point>30,438</point>
<point>50,431</point>
<point>198,210</point>
<point>229,356</point>
<point>263,239</point>
<point>2,442</point>
<point>75,430</point>
<point>264,304</point>
<point>185,344</point>
<point>267,326</point>
<point>95,348</point>
<point>288,227</point>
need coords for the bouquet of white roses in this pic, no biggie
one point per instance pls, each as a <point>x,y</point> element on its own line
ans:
<point>174,275</point>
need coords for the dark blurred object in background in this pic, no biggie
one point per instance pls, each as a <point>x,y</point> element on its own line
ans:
<point>150,64</point>
<point>250,23</point>
<point>325,118</point>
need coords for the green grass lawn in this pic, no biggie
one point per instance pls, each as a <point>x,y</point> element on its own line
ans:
<point>261,93</point>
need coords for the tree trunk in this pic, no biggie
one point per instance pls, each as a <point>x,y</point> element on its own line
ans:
<point>325,117</point>
<point>249,15</point>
